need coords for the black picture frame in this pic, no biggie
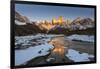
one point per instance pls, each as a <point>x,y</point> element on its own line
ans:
<point>12,64</point>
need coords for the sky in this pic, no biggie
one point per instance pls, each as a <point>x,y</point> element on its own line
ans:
<point>47,12</point>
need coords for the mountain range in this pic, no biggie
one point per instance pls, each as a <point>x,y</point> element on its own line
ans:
<point>23,26</point>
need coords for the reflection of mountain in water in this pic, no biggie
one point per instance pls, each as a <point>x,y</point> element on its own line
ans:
<point>59,51</point>
<point>63,49</point>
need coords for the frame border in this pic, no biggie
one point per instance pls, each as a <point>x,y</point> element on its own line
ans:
<point>12,33</point>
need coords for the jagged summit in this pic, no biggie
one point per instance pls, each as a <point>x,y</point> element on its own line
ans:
<point>60,25</point>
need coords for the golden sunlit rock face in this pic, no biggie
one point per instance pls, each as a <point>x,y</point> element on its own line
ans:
<point>58,21</point>
<point>47,25</point>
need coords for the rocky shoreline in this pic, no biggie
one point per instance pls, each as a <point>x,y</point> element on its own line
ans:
<point>58,53</point>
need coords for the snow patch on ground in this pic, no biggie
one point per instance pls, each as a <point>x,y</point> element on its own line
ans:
<point>19,23</point>
<point>27,40</point>
<point>22,56</point>
<point>81,37</point>
<point>77,57</point>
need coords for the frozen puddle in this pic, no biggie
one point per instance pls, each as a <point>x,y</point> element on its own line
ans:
<point>22,56</point>
<point>77,57</point>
